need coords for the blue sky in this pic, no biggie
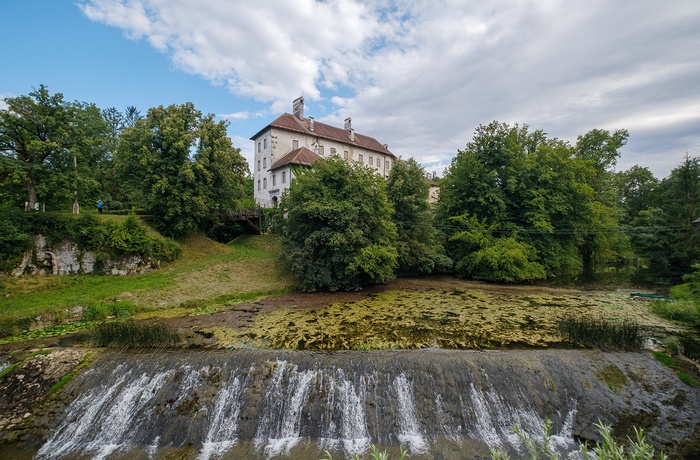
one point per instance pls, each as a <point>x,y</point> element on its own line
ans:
<point>419,75</point>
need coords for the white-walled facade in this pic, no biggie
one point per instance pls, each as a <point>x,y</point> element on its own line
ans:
<point>290,133</point>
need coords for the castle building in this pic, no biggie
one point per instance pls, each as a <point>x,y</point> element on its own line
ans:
<point>292,141</point>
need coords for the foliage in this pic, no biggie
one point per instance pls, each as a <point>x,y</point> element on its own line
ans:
<point>533,207</point>
<point>417,246</point>
<point>375,454</point>
<point>480,255</point>
<point>50,148</point>
<point>108,238</point>
<point>672,345</point>
<point>606,449</point>
<point>680,310</point>
<point>182,167</point>
<point>14,237</point>
<point>337,231</point>
<point>601,333</point>
<point>132,335</point>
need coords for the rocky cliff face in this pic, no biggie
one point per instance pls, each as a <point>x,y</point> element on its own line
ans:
<point>436,403</point>
<point>67,259</point>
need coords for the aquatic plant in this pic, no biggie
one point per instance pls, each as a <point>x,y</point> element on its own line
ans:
<point>602,333</point>
<point>133,335</point>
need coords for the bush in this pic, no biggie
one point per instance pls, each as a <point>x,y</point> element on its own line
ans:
<point>601,333</point>
<point>14,237</point>
<point>104,310</point>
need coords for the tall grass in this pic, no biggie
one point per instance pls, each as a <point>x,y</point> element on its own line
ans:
<point>602,333</point>
<point>132,335</point>
<point>685,311</point>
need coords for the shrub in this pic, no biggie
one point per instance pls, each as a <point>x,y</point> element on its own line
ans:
<point>101,311</point>
<point>14,237</point>
<point>602,333</point>
<point>672,345</point>
<point>606,449</point>
<point>132,335</point>
<point>680,310</point>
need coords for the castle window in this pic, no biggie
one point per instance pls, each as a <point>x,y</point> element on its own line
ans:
<point>320,150</point>
<point>295,144</point>
<point>284,177</point>
<point>361,159</point>
<point>265,162</point>
<point>371,161</point>
<point>258,146</point>
<point>265,184</point>
<point>258,185</point>
<point>265,143</point>
<point>258,165</point>
<point>345,154</point>
<point>274,180</point>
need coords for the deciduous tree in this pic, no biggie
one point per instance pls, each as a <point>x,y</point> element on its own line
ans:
<point>336,227</point>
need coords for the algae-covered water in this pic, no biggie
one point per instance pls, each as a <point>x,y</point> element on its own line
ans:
<point>442,318</point>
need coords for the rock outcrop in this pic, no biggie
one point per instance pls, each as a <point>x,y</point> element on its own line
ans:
<point>67,258</point>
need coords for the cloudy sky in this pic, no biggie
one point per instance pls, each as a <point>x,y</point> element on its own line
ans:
<point>419,75</point>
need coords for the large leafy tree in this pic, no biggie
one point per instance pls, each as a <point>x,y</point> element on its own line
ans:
<point>336,227</point>
<point>181,167</point>
<point>48,147</point>
<point>419,250</point>
<point>516,205</point>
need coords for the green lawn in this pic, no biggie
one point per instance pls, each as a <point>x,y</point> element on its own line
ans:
<point>207,271</point>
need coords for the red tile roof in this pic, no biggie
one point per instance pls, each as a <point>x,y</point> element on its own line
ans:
<point>301,156</point>
<point>291,123</point>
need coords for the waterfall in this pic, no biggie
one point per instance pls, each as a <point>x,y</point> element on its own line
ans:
<point>409,432</point>
<point>221,435</point>
<point>280,423</point>
<point>263,405</point>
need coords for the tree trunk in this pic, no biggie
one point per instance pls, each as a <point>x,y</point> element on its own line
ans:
<point>30,204</point>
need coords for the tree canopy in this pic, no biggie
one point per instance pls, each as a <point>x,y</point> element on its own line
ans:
<point>181,166</point>
<point>516,205</point>
<point>419,250</point>
<point>49,147</point>
<point>336,227</point>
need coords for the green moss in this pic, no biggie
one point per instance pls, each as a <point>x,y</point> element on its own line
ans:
<point>687,379</point>
<point>61,383</point>
<point>663,358</point>
<point>613,377</point>
<point>8,370</point>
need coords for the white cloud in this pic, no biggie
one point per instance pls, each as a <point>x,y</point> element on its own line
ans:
<point>421,75</point>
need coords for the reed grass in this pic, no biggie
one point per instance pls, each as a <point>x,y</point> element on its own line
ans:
<point>133,335</point>
<point>602,333</point>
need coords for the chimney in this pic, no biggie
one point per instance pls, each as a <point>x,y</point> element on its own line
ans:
<point>352,135</point>
<point>311,123</point>
<point>348,124</point>
<point>298,107</point>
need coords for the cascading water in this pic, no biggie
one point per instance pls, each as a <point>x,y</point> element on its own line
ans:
<point>260,405</point>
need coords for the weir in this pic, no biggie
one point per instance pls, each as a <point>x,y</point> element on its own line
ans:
<point>433,403</point>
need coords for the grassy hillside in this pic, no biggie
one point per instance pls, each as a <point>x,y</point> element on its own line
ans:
<point>207,273</point>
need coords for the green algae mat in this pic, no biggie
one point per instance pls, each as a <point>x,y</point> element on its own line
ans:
<point>443,318</point>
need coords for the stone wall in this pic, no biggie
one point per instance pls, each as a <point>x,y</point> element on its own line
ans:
<point>67,259</point>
